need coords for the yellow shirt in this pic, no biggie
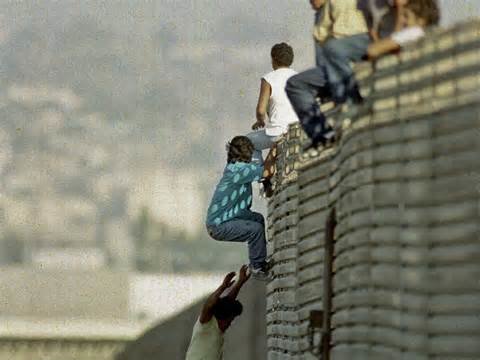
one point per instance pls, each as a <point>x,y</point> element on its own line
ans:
<point>341,18</point>
<point>206,342</point>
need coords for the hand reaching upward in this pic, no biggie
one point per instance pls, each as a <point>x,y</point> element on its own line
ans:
<point>207,313</point>
<point>243,274</point>
<point>228,280</point>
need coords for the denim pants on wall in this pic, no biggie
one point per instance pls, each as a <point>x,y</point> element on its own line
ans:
<point>332,78</point>
<point>261,141</point>
<point>319,54</point>
<point>302,90</point>
<point>339,54</point>
<point>250,228</point>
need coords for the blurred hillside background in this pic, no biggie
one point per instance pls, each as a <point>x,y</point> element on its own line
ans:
<point>113,122</point>
<point>114,116</point>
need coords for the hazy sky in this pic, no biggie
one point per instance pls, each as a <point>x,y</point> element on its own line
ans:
<point>455,10</point>
<point>175,79</point>
<point>198,61</point>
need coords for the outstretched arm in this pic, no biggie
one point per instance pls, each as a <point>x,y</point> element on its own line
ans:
<point>396,41</point>
<point>243,277</point>
<point>270,161</point>
<point>206,314</point>
<point>382,47</point>
<point>262,104</point>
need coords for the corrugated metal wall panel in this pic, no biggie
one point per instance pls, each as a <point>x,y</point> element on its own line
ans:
<point>282,319</point>
<point>314,184</point>
<point>405,182</point>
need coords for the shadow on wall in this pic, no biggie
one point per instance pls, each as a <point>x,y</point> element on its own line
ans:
<point>246,339</point>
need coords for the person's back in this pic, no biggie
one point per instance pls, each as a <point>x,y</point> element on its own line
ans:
<point>280,111</point>
<point>216,316</point>
<point>274,111</point>
<point>340,19</point>
<point>233,193</point>
<point>206,342</point>
<point>229,217</point>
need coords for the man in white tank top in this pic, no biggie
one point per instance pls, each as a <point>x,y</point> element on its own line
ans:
<point>216,317</point>
<point>273,102</point>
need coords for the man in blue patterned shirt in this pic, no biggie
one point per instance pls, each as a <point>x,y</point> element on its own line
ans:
<point>229,216</point>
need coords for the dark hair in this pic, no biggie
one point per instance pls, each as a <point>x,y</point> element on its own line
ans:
<point>282,54</point>
<point>428,10</point>
<point>240,148</point>
<point>227,308</point>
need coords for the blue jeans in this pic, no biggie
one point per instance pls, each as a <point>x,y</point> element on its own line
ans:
<point>340,53</point>
<point>335,78</point>
<point>261,141</point>
<point>303,90</point>
<point>320,58</point>
<point>248,227</point>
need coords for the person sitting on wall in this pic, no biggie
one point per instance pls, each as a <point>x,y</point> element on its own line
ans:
<point>273,102</point>
<point>216,316</point>
<point>341,20</point>
<point>383,17</point>
<point>229,217</point>
<point>303,88</point>
<point>350,38</point>
<point>417,15</point>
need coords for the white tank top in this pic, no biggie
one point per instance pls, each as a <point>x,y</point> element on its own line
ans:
<point>280,111</point>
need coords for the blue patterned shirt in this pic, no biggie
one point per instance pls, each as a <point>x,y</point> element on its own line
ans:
<point>233,194</point>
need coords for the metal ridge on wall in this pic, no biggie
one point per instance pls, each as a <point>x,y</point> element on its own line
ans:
<point>403,183</point>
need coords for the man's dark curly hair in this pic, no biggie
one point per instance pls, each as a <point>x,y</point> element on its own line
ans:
<point>282,54</point>
<point>425,9</point>
<point>227,308</point>
<point>240,149</point>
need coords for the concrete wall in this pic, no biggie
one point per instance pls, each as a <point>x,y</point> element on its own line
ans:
<point>50,294</point>
<point>246,339</point>
<point>405,183</point>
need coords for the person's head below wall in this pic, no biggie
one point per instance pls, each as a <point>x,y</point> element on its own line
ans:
<point>225,311</point>
<point>422,12</point>
<point>239,149</point>
<point>282,55</point>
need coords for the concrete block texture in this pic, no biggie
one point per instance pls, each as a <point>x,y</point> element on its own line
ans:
<point>404,180</point>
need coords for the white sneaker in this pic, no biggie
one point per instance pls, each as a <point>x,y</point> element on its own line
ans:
<point>260,273</point>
